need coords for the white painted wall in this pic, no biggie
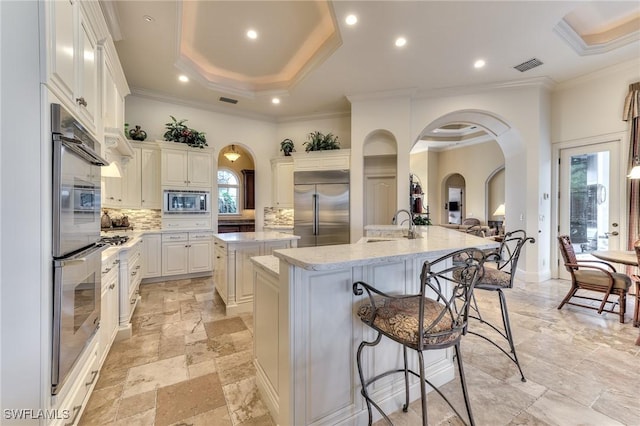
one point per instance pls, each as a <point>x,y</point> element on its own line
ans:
<point>592,105</point>
<point>475,163</point>
<point>255,136</point>
<point>516,113</point>
<point>297,130</point>
<point>23,172</point>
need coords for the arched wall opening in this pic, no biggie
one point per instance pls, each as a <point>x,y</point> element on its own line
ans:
<point>380,174</point>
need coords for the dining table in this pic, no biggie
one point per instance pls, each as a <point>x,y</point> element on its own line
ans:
<point>625,257</point>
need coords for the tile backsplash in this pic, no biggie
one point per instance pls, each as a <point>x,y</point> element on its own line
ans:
<point>276,216</point>
<point>140,219</point>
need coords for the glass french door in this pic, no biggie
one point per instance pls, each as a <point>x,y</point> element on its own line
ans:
<point>589,199</point>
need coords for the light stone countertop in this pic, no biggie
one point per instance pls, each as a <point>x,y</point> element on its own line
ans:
<point>434,240</point>
<point>276,227</point>
<point>239,237</point>
<point>270,263</point>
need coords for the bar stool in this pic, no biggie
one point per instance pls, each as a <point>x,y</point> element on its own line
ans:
<point>435,318</point>
<point>497,279</point>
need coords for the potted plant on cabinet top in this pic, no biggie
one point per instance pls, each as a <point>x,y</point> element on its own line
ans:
<point>286,146</point>
<point>177,131</point>
<point>316,141</point>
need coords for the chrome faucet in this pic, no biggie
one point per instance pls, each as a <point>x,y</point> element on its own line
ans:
<point>412,227</point>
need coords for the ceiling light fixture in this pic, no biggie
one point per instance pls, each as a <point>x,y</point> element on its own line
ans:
<point>479,63</point>
<point>275,101</point>
<point>351,20</point>
<point>183,78</point>
<point>401,41</point>
<point>231,154</point>
<point>148,18</point>
<point>252,34</point>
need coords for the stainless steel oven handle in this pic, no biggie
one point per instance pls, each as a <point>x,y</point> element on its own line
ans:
<point>82,149</point>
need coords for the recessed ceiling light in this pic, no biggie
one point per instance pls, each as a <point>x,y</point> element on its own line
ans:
<point>401,41</point>
<point>275,101</point>
<point>351,20</point>
<point>183,78</point>
<point>252,34</point>
<point>479,63</point>
<point>148,18</point>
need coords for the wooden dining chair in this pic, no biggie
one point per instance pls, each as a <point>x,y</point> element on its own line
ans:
<point>593,276</point>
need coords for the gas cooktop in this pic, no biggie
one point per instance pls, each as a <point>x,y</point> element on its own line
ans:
<point>114,240</point>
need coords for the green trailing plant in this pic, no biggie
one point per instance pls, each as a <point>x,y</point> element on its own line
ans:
<point>287,147</point>
<point>421,220</point>
<point>317,141</point>
<point>177,131</point>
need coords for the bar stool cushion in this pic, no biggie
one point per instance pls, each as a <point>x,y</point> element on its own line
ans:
<point>594,277</point>
<point>398,319</point>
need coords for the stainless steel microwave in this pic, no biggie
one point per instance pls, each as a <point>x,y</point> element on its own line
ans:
<point>186,202</point>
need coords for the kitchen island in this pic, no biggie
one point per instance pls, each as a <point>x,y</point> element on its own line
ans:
<point>306,332</point>
<point>232,267</point>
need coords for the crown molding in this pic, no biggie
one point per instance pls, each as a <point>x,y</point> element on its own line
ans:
<point>383,94</point>
<point>319,116</point>
<point>633,64</point>
<point>536,82</point>
<point>577,43</point>
<point>164,97</point>
<point>112,19</point>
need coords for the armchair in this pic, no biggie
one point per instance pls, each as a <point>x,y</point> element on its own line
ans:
<point>593,276</point>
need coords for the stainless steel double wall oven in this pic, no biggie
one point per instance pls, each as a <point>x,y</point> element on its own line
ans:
<point>76,250</point>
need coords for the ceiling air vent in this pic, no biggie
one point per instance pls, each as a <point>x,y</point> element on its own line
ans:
<point>228,100</point>
<point>526,66</point>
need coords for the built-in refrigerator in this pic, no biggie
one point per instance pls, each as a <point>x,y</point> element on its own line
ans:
<point>321,207</point>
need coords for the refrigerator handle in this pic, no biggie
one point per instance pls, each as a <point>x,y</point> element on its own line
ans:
<point>315,214</point>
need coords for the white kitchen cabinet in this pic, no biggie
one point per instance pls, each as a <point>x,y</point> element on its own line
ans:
<point>112,192</point>
<point>72,71</point>
<point>282,184</point>
<point>338,159</point>
<point>139,186</point>
<point>109,309</point>
<point>152,256</point>
<point>151,192</point>
<point>131,181</point>
<point>130,271</point>
<point>233,268</point>
<point>186,253</point>
<point>187,168</point>
<point>79,386</point>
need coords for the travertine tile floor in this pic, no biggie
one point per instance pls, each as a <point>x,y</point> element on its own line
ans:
<point>190,364</point>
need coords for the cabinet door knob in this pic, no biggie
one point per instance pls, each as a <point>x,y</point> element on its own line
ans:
<point>81,101</point>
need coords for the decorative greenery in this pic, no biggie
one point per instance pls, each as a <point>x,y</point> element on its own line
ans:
<point>177,131</point>
<point>421,220</point>
<point>286,146</point>
<point>316,141</point>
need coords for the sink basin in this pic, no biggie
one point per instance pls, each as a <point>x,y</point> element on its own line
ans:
<point>377,240</point>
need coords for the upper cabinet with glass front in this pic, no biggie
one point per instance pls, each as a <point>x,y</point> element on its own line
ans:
<point>72,70</point>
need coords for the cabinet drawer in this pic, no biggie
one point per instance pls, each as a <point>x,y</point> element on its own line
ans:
<point>180,236</point>
<point>199,236</point>
<point>201,222</point>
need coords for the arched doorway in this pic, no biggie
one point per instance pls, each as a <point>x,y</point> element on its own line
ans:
<point>235,189</point>
<point>380,177</point>
<point>454,195</point>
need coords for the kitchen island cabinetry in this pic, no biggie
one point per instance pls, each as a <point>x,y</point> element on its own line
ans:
<point>234,271</point>
<point>187,167</point>
<point>307,332</point>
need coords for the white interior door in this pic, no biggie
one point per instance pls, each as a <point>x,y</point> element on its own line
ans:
<point>589,199</point>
